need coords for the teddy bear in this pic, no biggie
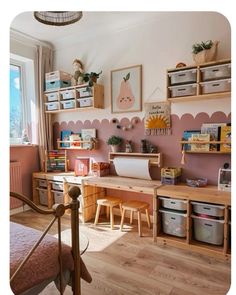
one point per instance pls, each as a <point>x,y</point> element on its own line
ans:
<point>78,77</point>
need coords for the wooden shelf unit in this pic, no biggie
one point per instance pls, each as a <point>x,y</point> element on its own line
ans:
<point>199,95</point>
<point>91,143</point>
<point>96,96</point>
<point>208,195</point>
<point>182,142</point>
<point>155,159</point>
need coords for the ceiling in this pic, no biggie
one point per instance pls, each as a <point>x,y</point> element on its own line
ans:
<point>90,24</point>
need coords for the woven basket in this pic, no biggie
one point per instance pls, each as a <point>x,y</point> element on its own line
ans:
<point>206,55</point>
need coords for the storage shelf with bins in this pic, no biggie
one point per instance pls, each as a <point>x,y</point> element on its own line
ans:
<point>202,82</point>
<point>74,98</point>
<point>194,235</point>
<point>78,144</point>
<point>182,142</point>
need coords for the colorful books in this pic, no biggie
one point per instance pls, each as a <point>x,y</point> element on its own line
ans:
<point>214,130</point>
<point>225,136</point>
<point>200,147</point>
<point>187,135</point>
<point>88,134</point>
<point>65,135</point>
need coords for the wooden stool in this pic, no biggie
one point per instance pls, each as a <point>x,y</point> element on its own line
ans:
<point>109,202</point>
<point>135,206</point>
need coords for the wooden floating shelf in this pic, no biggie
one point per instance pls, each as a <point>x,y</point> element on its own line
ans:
<point>207,152</point>
<point>155,159</point>
<point>92,143</point>
<point>203,142</point>
<point>200,97</point>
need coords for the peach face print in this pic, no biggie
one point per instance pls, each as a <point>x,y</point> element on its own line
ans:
<point>125,99</point>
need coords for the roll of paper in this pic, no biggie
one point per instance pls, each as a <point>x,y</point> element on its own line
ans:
<point>132,167</point>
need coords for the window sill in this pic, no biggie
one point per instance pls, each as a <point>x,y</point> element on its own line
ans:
<point>23,145</point>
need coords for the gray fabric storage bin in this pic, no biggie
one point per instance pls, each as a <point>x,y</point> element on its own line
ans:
<point>216,72</point>
<point>216,86</point>
<point>175,204</point>
<point>58,186</point>
<point>183,77</point>
<point>58,197</point>
<point>174,223</point>
<point>183,90</point>
<point>42,183</point>
<point>208,209</point>
<point>208,230</point>
<point>43,197</point>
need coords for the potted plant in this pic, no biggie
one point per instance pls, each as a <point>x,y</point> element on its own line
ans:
<point>91,77</point>
<point>204,51</point>
<point>114,141</point>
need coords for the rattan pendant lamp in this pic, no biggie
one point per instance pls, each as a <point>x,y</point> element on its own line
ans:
<point>58,18</point>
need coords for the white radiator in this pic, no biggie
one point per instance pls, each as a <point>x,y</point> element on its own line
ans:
<point>15,183</point>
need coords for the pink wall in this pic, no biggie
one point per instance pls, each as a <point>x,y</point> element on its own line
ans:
<point>28,156</point>
<point>197,165</point>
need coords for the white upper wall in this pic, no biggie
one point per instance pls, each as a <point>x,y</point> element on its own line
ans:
<point>158,44</point>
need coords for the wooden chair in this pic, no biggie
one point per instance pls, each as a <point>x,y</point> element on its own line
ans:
<point>109,203</point>
<point>135,206</point>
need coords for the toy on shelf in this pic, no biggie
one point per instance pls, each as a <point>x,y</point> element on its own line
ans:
<point>56,161</point>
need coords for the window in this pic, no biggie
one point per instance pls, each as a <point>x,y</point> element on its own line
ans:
<point>16,104</point>
<point>22,101</point>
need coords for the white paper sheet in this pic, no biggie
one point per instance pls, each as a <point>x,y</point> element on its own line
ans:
<point>132,167</point>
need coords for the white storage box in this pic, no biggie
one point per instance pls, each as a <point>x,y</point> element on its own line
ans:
<point>173,222</point>
<point>183,90</point>
<point>43,197</point>
<point>216,72</point>
<point>42,183</point>
<point>208,209</point>
<point>183,77</point>
<point>216,86</point>
<point>69,104</point>
<point>208,230</point>
<point>51,106</point>
<point>53,96</point>
<point>84,91</point>
<point>58,197</point>
<point>58,186</point>
<point>57,75</point>
<point>175,204</point>
<point>85,102</point>
<point>68,94</point>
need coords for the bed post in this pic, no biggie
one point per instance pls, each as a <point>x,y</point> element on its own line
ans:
<point>74,193</point>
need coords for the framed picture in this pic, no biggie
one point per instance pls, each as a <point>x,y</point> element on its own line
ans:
<point>126,89</point>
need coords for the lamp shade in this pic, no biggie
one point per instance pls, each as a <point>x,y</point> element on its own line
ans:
<point>58,18</point>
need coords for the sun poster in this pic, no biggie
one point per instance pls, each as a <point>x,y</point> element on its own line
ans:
<point>157,118</point>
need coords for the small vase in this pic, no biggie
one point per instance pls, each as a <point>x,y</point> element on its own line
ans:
<point>114,148</point>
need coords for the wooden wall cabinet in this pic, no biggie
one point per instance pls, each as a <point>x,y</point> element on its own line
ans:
<point>205,81</point>
<point>74,98</point>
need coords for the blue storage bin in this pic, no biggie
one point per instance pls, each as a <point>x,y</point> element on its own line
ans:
<point>54,85</point>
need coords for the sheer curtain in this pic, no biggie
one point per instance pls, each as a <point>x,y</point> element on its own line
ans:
<point>44,65</point>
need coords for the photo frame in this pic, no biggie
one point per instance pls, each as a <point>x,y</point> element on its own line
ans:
<point>126,89</point>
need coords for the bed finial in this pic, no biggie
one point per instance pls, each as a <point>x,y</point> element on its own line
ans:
<point>74,192</point>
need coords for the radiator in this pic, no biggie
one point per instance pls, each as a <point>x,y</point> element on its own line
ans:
<point>15,183</point>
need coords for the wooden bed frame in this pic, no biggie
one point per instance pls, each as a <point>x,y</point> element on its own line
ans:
<point>58,211</point>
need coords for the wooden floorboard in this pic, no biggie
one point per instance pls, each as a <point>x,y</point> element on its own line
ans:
<point>124,263</point>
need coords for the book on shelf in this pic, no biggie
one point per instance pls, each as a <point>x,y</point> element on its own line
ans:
<point>65,135</point>
<point>214,130</point>
<point>225,136</point>
<point>188,135</point>
<point>200,147</point>
<point>88,134</point>
<point>76,140</point>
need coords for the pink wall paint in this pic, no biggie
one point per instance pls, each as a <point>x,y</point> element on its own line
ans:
<point>29,158</point>
<point>197,165</point>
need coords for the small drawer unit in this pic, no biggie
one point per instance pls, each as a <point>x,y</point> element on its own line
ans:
<point>85,102</point>
<point>58,197</point>
<point>208,230</point>
<point>57,186</point>
<point>52,106</point>
<point>85,91</point>
<point>52,96</point>
<point>174,204</point>
<point>216,86</point>
<point>69,104</point>
<point>206,209</point>
<point>183,90</point>
<point>43,197</point>
<point>183,77</point>
<point>170,175</point>
<point>56,80</point>
<point>69,94</point>
<point>217,72</point>
<point>174,222</point>
<point>42,183</point>
<point>55,85</point>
